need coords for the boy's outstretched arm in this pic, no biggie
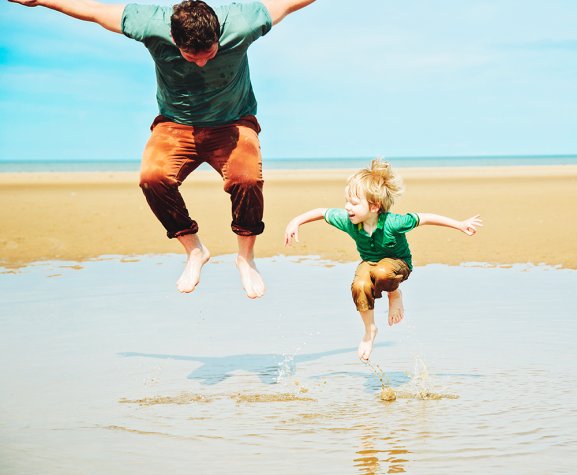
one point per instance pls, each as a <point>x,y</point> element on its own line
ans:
<point>468,226</point>
<point>107,15</point>
<point>279,9</point>
<point>292,229</point>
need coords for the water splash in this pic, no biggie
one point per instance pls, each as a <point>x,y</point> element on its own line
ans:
<point>286,367</point>
<point>421,377</point>
<point>420,380</point>
<point>387,392</point>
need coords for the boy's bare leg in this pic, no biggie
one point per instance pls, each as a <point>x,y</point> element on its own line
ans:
<point>249,275</point>
<point>197,256</point>
<point>366,345</point>
<point>396,309</point>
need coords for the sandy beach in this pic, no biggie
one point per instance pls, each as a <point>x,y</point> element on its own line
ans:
<point>529,213</point>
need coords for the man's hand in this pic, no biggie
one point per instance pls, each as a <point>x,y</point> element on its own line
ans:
<point>107,15</point>
<point>278,9</point>
<point>26,3</point>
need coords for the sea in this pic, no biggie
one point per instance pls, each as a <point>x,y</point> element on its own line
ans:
<point>44,165</point>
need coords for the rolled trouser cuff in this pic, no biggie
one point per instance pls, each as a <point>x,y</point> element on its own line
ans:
<point>192,230</point>
<point>247,231</point>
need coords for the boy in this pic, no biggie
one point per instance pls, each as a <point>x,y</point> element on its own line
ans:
<point>380,238</point>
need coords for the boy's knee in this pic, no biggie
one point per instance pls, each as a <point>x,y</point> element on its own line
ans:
<point>388,275</point>
<point>387,279</point>
<point>384,274</point>
<point>361,287</point>
<point>390,285</point>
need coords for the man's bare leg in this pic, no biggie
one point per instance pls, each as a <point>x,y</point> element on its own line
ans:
<point>366,345</point>
<point>249,275</point>
<point>197,256</point>
<point>396,309</point>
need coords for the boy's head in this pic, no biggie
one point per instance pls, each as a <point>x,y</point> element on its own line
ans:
<point>195,30</point>
<point>379,185</point>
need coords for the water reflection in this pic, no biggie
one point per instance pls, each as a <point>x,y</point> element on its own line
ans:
<point>373,458</point>
<point>270,368</point>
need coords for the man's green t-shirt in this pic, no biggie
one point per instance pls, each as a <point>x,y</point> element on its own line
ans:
<point>387,240</point>
<point>216,94</point>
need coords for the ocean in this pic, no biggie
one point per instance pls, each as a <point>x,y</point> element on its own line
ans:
<point>41,165</point>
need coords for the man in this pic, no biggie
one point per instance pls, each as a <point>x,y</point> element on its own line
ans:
<point>206,112</point>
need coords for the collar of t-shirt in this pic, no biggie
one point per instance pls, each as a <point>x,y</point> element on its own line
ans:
<point>380,225</point>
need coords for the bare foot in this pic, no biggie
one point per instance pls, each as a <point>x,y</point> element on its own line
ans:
<point>396,309</point>
<point>197,257</point>
<point>250,278</point>
<point>366,345</point>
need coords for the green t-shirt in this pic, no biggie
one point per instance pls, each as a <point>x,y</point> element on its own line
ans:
<point>216,94</point>
<point>387,240</point>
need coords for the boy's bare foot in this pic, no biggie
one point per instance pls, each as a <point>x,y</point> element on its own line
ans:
<point>396,309</point>
<point>366,345</point>
<point>250,277</point>
<point>198,255</point>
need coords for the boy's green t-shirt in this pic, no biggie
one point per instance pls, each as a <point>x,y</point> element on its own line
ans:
<point>221,91</point>
<point>387,240</point>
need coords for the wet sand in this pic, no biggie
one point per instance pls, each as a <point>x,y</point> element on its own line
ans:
<point>529,213</point>
<point>107,369</point>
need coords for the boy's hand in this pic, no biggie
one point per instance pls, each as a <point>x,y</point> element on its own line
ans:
<point>469,226</point>
<point>292,229</point>
<point>291,232</point>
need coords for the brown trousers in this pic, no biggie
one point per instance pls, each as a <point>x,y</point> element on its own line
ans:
<point>372,278</point>
<point>175,150</point>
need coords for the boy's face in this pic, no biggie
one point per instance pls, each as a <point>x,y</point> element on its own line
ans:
<point>359,209</point>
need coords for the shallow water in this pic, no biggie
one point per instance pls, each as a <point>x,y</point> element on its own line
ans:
<point>107,369</point>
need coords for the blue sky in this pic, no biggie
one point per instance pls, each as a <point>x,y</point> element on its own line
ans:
<point>337,79</point>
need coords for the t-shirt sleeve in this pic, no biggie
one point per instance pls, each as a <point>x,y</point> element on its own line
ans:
<point>403,223</point>
<point>338,218</point>
<point>141,22</point>
<point>250,20</point>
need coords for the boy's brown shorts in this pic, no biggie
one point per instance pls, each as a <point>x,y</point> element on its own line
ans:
<point>374,278</point>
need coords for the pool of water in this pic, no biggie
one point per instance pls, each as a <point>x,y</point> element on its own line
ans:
<point>107,369</point>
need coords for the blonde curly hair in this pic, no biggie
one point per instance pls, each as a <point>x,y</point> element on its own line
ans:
<point>379,184</point>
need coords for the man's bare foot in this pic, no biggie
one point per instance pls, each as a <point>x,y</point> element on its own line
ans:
<point>250,277</point>
<point>396,309</point>
<point>366,345</point>
<point>198,256</point>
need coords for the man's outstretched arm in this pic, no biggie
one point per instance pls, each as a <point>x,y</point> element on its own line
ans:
<point>107,15</point>
<point>278,9</point>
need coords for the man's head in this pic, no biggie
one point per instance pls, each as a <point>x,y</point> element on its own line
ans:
<point>195,30</point>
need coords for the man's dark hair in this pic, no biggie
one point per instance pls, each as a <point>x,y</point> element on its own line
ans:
<point>194,26</point>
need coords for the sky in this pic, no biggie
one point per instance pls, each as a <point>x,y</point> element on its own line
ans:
<point>336,79</point>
